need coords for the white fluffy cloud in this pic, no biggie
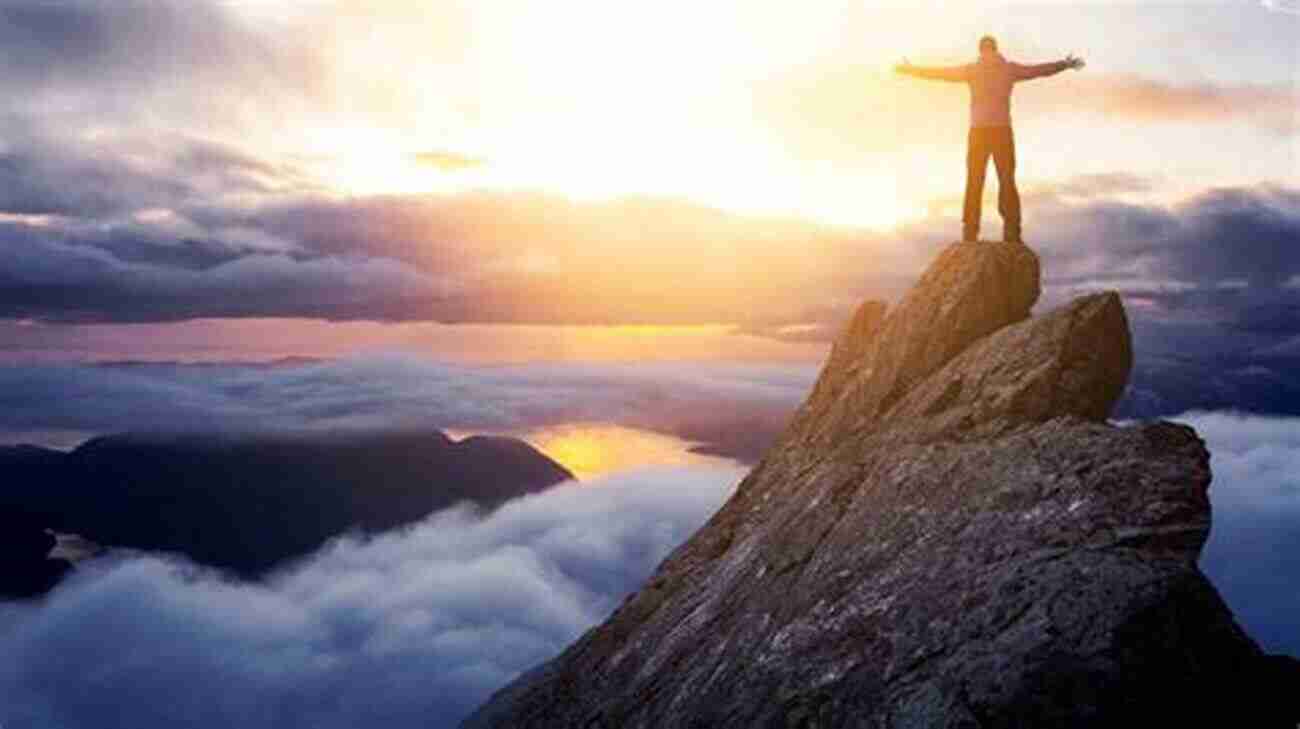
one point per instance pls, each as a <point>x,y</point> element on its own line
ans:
<point>413,628</point>
<point>735,407</point>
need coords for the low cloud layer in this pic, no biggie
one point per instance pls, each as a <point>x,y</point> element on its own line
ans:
<point>415,628</point>
<point>734,408</point>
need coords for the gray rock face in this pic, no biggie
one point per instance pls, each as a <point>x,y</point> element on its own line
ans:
<point>847,354</point>
<point>970,291</point>
<point>1073,361</point>
<point>948,535</point>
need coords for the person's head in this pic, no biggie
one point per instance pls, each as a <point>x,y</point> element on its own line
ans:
<point>988,46</point>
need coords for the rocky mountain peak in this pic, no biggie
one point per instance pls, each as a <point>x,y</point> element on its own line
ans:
<point>949,534</point>
<point>1074,361</point>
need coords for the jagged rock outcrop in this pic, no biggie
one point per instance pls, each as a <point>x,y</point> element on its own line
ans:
<point>968,292</point>
<point>847,353</point>
<point>949,534</point>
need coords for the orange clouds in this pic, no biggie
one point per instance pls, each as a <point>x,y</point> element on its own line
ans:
<point>448,161</point>
<point>1133,97</point>
<point>860,112</point>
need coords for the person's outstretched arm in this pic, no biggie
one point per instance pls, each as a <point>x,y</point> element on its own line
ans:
<point>934,73</point>
<point>1038,70</point>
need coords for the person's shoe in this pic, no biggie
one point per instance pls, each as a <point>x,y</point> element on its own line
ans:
<point>970,235</point>
<point>1012,235</point>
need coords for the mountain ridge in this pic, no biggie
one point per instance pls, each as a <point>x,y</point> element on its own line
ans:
<point>242,501</point>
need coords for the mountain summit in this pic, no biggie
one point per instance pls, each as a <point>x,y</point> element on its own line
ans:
<point>948,534</point>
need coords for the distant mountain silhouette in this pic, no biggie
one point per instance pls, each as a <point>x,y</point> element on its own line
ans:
<point>24,570</point>
<point>244,502</point>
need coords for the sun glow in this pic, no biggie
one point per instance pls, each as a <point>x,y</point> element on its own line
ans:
<point>592,449</point>
<point>770,109</point>
<point>371,166</point>
<point>590,100</point>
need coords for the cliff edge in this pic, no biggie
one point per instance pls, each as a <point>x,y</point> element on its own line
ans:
<point>948,534</point>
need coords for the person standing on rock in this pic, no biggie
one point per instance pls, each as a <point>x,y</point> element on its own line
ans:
<point>990,80</point>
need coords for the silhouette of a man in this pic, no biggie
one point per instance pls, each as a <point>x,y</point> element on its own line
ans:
<point>990,80</point>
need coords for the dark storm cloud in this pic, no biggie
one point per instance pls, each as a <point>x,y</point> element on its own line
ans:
<point>126,275</point>
<point>495,257</point>
<point>35,182</point>
<point>1198,366</point>
<point>1223,257</point>
<point>1238,233</point>
<point>50,176</point>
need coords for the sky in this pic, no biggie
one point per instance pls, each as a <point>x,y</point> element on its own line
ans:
<point>330,176</point>
<point>624,231</point>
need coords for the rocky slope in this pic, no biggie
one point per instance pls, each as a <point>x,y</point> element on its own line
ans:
<point>949,534</point>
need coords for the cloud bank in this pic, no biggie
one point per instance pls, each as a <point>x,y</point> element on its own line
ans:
<point>1223,257</point>
<point>412,628</point>
<point>733,408</point>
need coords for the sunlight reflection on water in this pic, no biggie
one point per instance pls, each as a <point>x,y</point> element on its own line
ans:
<point>594,449</point>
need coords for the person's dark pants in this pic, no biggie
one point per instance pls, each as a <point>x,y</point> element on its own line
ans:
<point>999,143</point>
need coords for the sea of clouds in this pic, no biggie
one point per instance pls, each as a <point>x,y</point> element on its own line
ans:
<point>737,407</point>
<point>416,627</point>
<point>412,628</point>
